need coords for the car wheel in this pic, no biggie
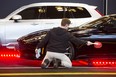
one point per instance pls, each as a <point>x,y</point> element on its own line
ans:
<point>71,52</point>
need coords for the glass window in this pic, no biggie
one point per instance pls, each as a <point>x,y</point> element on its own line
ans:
<point>54,12</point>
<point>30,13</point>
<point>76,12</point>
<point>110,26</point>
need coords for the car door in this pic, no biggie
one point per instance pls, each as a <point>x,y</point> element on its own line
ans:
<point>15,30</point>
<point>29,23</point>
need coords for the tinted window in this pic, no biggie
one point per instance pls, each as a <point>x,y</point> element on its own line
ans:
<point>110,26</point>
<point>30,13</point>
<point>103,25</point>
<point>54,12</point>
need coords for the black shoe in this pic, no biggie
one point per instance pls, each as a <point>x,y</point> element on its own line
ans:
<point>56,63</point>
<point>45,64</point>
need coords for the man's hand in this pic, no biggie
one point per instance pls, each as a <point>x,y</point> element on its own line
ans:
<point>37,51</point>
<point>89,43</point>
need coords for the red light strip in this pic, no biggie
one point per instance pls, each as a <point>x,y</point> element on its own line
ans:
<point>104,63</point>
<point>10,55</point>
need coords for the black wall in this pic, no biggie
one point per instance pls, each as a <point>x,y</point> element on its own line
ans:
<point>7,6</point>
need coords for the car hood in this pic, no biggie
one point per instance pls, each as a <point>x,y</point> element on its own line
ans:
<point>33,37</point>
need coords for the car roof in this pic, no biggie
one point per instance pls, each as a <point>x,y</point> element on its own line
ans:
<point>60,4</point>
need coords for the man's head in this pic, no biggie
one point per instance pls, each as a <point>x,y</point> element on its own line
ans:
<point>65,22</point>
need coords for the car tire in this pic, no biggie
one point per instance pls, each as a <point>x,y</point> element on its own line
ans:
<point>71,51</point>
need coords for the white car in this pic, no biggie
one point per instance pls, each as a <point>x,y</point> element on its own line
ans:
<point>39,16</point>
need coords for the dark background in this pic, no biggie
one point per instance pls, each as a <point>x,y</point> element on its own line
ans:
<point>8,6</point>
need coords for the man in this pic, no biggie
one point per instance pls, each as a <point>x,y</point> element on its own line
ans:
<point>57,40</point>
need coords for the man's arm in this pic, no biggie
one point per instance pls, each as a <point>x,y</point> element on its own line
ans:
<point>78,41</point>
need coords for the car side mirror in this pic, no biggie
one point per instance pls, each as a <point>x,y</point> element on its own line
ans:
<point>16,18</point>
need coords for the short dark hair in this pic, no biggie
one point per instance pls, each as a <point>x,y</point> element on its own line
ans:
<point>65,21</point>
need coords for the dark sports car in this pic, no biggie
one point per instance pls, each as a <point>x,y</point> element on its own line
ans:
<point>102,30</point>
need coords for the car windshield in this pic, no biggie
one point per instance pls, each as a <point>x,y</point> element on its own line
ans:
<point>102,22</point>
<point>94,23</point>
